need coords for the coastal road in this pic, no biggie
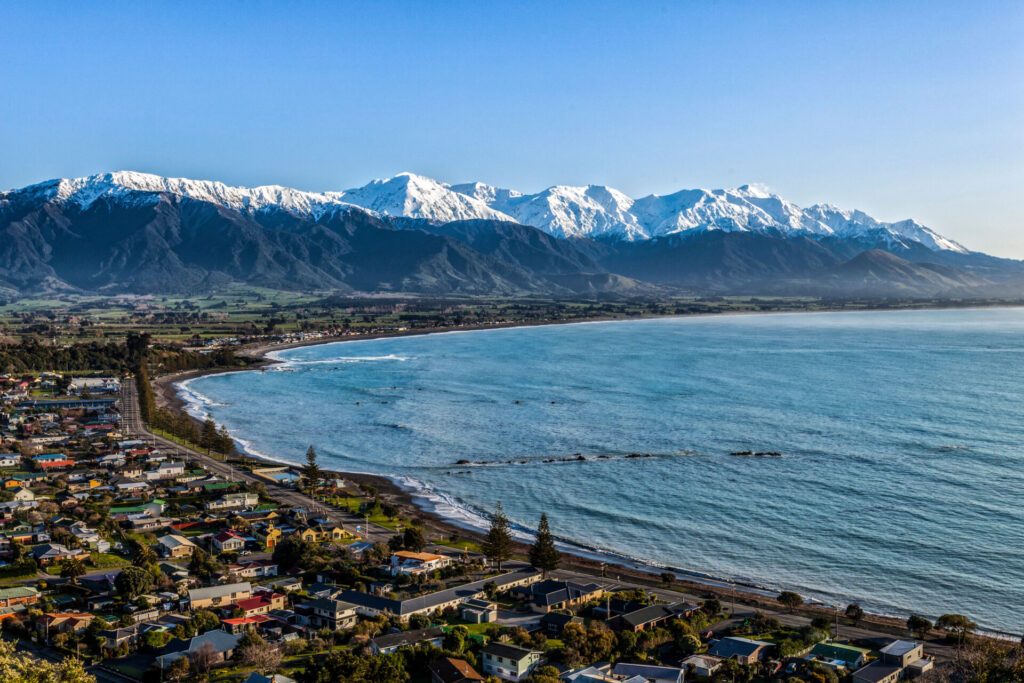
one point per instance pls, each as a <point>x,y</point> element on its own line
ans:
<point>133,425</point>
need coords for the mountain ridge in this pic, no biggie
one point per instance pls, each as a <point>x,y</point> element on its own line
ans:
<point>592,211</point>
<point>139,233</point>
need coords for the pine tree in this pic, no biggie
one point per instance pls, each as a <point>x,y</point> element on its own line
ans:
<point>208,437</point>
<point>497,545</point>
<point>543,554</point>
<point>225,444</point>
<point>311,471</point>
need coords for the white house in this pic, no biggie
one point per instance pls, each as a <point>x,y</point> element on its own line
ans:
<point>408,562</point>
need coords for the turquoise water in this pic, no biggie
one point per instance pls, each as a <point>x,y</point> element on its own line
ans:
<point>900,484</point>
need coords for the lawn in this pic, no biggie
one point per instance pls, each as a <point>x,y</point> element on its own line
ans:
<point>108,561</point>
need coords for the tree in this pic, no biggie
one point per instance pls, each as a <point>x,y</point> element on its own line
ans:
<point>311,474</point>
<point>543,554</point>
<point>225,444</point>
<point>790,599</point>
<point>854,612</point>
<point>497,545</point>
<point>254,651</point>
<point>294,551</point>
<point>667,578</point>
<point>208,435</point>
<point>71,569</point>
<point>203,659</point>
<point>412,539</point>
<point>133,582</point>
<point>203,565</point>
<point>179,670</point>
<point>956,623</point>
<point>21,667</point>
<point>919,625</point>
<point>142,555</point>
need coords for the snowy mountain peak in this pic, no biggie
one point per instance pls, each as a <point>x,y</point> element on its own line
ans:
<point>568,211</point>
<point>416,196</point>
<point>146,187</point>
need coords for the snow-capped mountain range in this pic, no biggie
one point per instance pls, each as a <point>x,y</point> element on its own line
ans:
<point>593,211</point>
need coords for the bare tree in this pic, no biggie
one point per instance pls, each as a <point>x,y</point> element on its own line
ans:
<point>203,659</point>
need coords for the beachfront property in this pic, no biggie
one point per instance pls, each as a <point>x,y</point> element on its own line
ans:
<point>898,660</point>
<point>370,605</point>
<point>413,563</point>
<point>549,595</point>
<point>838,655</point>
<point>508,662</point>
<point>650,616</point>
<point>742,650</point>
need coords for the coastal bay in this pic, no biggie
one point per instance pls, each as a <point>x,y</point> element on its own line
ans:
<point>897,433</point>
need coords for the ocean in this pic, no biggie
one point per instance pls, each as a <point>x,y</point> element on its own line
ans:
<point>899,481</point>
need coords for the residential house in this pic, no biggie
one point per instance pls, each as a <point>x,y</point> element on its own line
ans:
<point>272,678</point>
<point>384,645</point>
<point>905,655</point>
<point>449,670</point>
<point>20,493</point>
<point>902,652</point>
<point>18,595</point>
<point>648,673</point>
<point>51,461</point>
<point>650,616</point>
<point>743,650</point>
<point>51,623</point>
<point>370,605</point>
<point>165,470</point>
<point>549,595</point>
<point>219,596</point>
<point>261,603</point>
<point>255,569</point>
<point>479,611</point>
<point>877,672</point>
<point>220,644</point>
<point>702,666</point>
<point>89,538</point>
<point>553,623</point>
<point>836,655</point>
<point>268,535</point>
<point>49,553</point>
<point>9,460</point>
<point>242,624</point>
<point>412,563</point>
<point>232,501</point>
<point>175,546</point>
<point>508,662</point>
<point>333,614</point>
<point>228,541</point>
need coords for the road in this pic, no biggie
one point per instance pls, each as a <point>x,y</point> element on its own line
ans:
<point>133,425</point>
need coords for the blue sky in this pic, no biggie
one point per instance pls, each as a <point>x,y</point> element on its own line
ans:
<point>902,109</point>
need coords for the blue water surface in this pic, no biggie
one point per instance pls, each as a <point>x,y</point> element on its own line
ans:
<point>900,484</point>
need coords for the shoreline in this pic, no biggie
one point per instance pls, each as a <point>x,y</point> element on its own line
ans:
<point>416,501</point>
